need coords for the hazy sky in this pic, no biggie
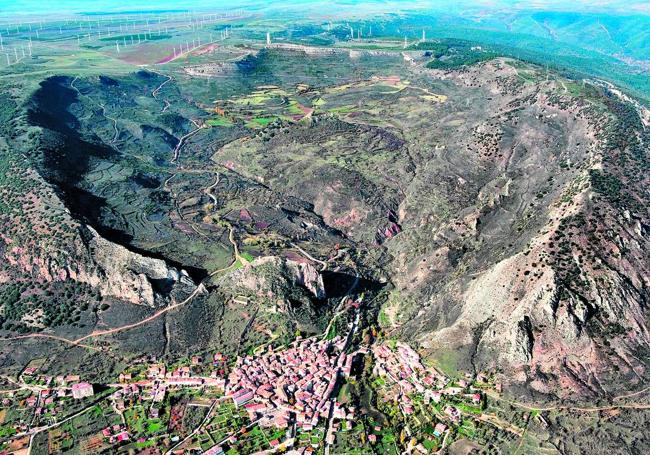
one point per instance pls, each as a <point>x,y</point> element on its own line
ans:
<point>43,6</point>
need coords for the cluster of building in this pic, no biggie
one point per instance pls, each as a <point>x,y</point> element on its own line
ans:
<point>182,376</point>
<point>402,365</point>
<point>116,433</point>
<point>46,403</point>
<point>157,381</point>
<point>29,376</point>
<point>292,385</point>
<point>46,397</point>
<point>128,391</point>
<point>60,386</point>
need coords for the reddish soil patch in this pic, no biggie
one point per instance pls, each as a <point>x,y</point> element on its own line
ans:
<point>390,80</point>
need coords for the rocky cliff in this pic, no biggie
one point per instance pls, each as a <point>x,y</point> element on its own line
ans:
<point>110,268</point>
<point>60,249</point>
<point>275,278</point>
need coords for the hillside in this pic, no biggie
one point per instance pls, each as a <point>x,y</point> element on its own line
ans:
<point>494,217</point>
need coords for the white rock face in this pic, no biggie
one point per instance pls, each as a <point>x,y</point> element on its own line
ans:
<point>127,275</point>
<point>307,276</point>
<point>112,269</point>
<point>266,275</point>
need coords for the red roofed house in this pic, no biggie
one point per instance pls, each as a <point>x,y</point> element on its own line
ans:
<point>242,397</point>
<point>82,390</point>
<point>215,450</point>
<point>123,436</point>
<point>439,429</point>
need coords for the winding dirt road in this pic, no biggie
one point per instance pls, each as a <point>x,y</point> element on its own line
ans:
<point>181,142</point>
<point>52,337</point>
<point>99,333</point>
<point>155,91</point>
<point>608,407</point>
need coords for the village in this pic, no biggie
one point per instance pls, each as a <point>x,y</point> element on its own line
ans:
<point>297,381</point>
<point>294,399</point>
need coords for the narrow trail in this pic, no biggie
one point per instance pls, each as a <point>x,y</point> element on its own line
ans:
<point>22,385</point>
<point>632,394</point>
<point>155,91</point>
<point>101,105</point>
<point>99,333</point>
<point>167,335</point>
<point>166,182</point>
<point>181,142</point>
<point>522,438</point>
<point>199,288</point>
<point>566,90</point>
<point>166,185</point>
<point>231,238</point>
<point>249,324</point>
<point>609,35</point>
<point>323,264</point>
<point>209,189</point>
<point>609,407</point>
<point>237,257</point>
<point>51,337</point>
<point>117,132</point>
<point>74,87</point>
<point>154,95</point>
<point>33,432</point>
<point>196,430</point>
<point>497,422</point>
<point>205,190</point>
